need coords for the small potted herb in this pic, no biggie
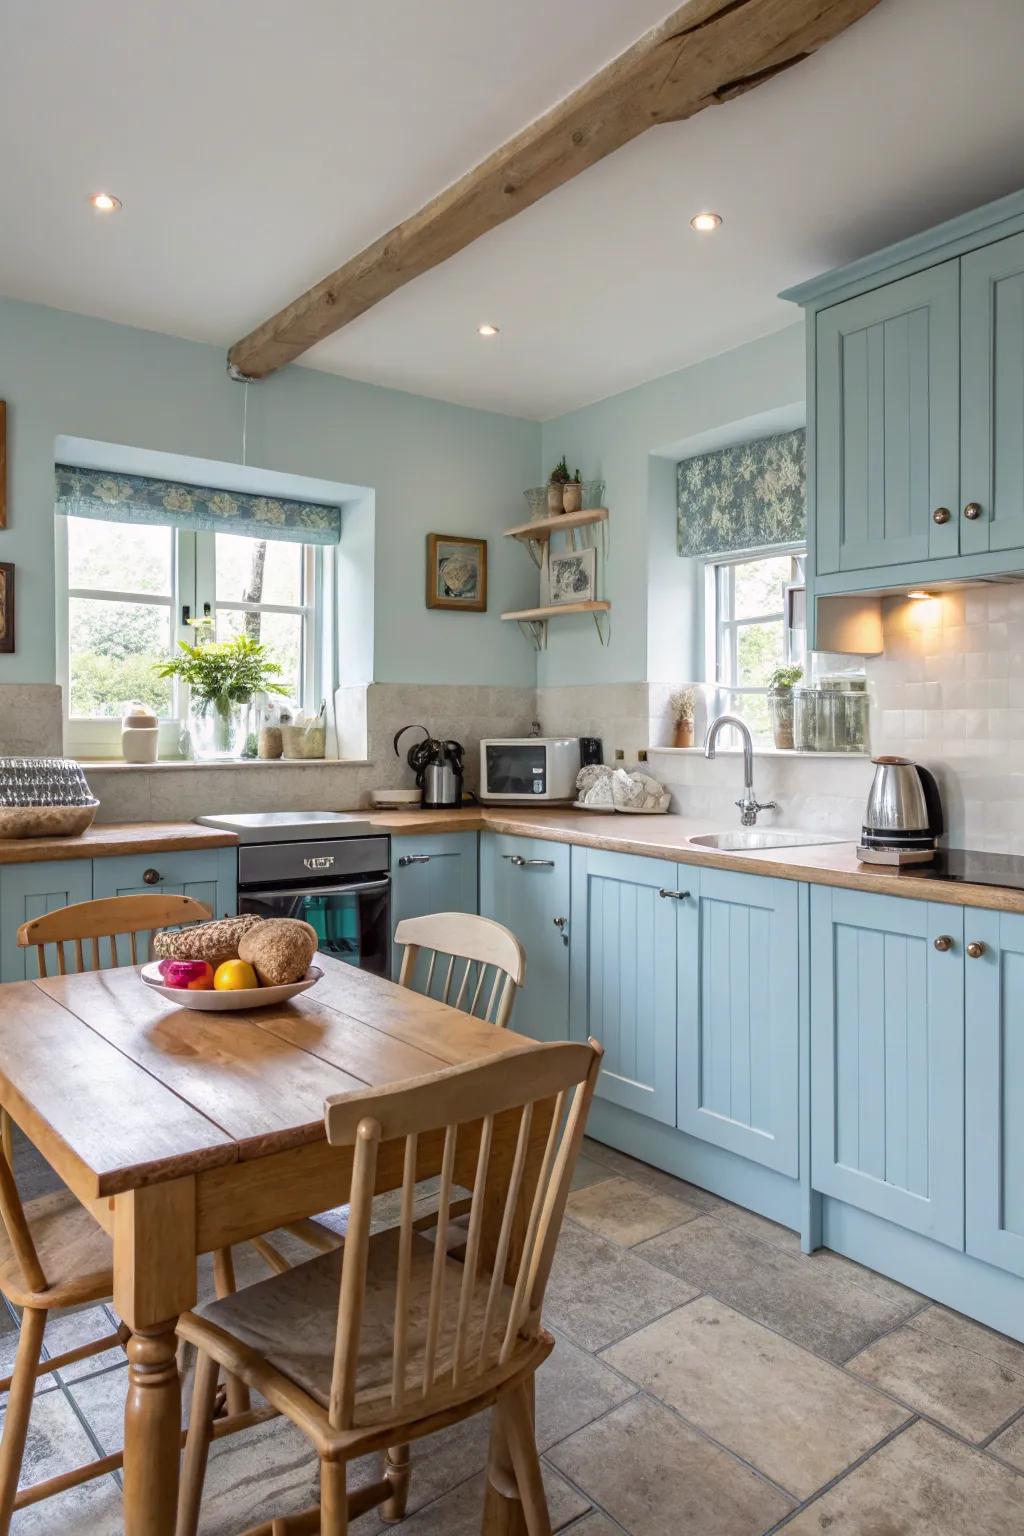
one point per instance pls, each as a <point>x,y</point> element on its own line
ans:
<point>682,706</point>
<point>557,482</point>
<point>780,704</point>
<point>223,676</point>
<point>572,493</point>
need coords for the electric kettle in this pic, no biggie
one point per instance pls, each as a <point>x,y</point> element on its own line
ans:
<point>438,768</point>
<point>903,816</point>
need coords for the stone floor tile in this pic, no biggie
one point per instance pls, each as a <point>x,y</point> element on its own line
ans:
<point>598,1292</point>
<point>658,1477</point>
<point>627,1213</point>
<point>573,1389</point>
<point>869,1279</point>
<point>953,1328</point>
<point>56,1443</point>
<point>651,1178</point>
<point>67,1330</point>
<point>808,1301</point>
<point>923,1483</point>
<point>588,1172</point>
<point>101,1400</point>
<point>759,1226</point>
<point>459,1512</point>
<point>269,1470</point>
<point>8,1350</point>
<point>1010,1444</point>
<point>792,1415</point>
<point>594,1524</point>
<point>967,1392</point>
<point>34,1175</point>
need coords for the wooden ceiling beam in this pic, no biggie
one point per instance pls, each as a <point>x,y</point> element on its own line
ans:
<point>706,52</point>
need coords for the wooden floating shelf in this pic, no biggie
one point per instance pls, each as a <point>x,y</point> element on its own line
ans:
<point>537,615</point>
<point>561,522</point>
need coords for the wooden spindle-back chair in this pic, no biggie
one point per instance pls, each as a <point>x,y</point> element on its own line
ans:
<point>371,1347</point>
<point>472,963</point>
<point>86,924</point>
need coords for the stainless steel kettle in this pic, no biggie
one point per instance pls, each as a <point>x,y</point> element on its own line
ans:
<point>903,809</point>
<point>438,768</point>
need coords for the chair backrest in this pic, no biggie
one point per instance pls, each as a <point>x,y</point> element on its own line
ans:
<point>110,918</point>
<point>513,1123</point>
<point>468,947</point>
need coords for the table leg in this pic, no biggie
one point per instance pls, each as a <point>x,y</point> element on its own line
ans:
<point>154,1281</point>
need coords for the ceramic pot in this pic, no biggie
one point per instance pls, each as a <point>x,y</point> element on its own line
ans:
<point>555,490</point>
<point>780,707</point>
<point>572,496</point>
<point>683,734</point>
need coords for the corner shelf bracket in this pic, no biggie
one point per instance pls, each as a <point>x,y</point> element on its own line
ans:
<point>536,631</point>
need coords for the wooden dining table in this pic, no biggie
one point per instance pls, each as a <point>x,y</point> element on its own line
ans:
<point>185,1132</point>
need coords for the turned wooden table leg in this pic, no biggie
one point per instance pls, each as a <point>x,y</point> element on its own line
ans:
<point>152,1433</point>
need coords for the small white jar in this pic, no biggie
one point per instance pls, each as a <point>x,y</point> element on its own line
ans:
<point>140,731</point>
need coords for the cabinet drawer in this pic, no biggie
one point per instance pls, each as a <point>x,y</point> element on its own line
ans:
<point>209,875</point>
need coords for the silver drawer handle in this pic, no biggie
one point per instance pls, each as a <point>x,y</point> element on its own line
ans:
<point>521,863</point>
<point>413,858</point>
<point>675,895</point>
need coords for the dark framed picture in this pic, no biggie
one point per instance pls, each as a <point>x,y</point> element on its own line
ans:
<point>456,572</point>
<point>6,607</point>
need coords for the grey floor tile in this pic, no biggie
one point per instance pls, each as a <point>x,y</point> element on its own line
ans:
<point>588,1172</point>
<point>625,1212</point>
<point>459,1512</point>
<point>57,1443</point>
<point>658,1477</point>
<point>759,1226</point>
<point>792,1415</point>
<point>869,1279</point>
<point>651,1178</point>
<point>101,1399</point>
<point>573,1389</point>
<point>923,1483</point>
<point>267,1471</point>
<point>953,1328</point>
<point>808,1301</point>
<point>34,1175</point>
<point>67,1330</point>
<point>8,1351</point>
<point>599,1292</point>
<point>594,1524</point>
<point>1010,1444</point>
<point>967,1392</point>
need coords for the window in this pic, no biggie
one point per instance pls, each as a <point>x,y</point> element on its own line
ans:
<point>747,632</point>
<point>130,589</point>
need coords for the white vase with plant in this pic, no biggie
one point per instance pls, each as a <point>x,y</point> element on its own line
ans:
<point>222,676</point>
<point>682,705</point>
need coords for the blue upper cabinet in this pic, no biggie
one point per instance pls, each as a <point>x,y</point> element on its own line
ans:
<point>992,437</point>
<point>888,424</point>
<point>524,884</point>
<point>739,980</point>
<point>994,973</point>
<point>625,943</point>
<point>436,872</point>
<point>887,1058</point>
<point>28,891</point>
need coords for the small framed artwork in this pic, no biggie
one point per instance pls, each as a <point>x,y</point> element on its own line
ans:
<point>456,572</point>
<point>6,607</point>
<point>572,576</point>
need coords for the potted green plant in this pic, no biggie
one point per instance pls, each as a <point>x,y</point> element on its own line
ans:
<point>223,676</point>
<point>557,481</point>
<point>682,706</point>
<point>780,704</point>
<point>572,493</point>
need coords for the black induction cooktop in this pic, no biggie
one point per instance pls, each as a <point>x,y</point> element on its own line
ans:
<point>967,867</point>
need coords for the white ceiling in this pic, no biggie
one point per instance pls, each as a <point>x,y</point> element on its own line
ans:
<point>256,145</point>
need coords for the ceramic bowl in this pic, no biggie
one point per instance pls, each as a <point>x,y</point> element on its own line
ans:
<point>227,1002</point>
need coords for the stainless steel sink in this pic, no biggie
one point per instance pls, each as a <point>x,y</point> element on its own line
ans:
<point>749,839</point>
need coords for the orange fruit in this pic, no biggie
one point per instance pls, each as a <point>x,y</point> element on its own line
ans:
<point>234,976</point>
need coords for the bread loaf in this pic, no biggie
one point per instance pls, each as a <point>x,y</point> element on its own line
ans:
<point>216,941</point>
<point>279,950</point>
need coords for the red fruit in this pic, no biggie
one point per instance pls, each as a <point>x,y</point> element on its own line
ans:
<point>189,975</point>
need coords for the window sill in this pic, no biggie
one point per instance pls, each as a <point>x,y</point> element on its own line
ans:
<point>784,752</point>
<point>118,765</point>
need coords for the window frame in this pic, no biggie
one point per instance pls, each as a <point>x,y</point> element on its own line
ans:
<point>721,631</point>
<point>193,588</point>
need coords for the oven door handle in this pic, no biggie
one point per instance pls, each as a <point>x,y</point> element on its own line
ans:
<point>367,886</point>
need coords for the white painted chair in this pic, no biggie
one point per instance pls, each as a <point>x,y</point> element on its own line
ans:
<point>483,964</point>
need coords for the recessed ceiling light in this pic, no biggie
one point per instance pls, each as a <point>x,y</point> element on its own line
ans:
<point>105,202</point>
<point>703,223</point>
<point>487,329</point>
<point>919,597</point>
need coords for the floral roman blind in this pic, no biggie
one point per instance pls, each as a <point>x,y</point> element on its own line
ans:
<point>120,498</point>
<point>747,497</point>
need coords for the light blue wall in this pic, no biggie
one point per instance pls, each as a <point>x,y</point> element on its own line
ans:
<point>433,468</point>
<point>632,440</point>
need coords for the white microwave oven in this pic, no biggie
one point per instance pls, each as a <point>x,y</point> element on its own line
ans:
<point>529,769</point>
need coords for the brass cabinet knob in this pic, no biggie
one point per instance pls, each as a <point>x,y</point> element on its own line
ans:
<point>976,949</point>
<point>151,876</point>
<point>972,511</point>
<point>943,942</point>
<point>941,515</point>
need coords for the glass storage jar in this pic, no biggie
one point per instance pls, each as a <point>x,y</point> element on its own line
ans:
<point>805,725</point>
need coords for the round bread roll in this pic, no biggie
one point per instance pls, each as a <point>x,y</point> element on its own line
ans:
<point>279,950</point>
<point>215,942</point>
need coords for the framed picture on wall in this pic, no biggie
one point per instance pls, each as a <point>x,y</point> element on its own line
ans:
<point>572,576</point>
<point>6,607</point>
<point>456,572</point>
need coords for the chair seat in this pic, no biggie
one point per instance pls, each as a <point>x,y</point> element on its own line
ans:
<point>74,1251</point>
<point>290,1321</point>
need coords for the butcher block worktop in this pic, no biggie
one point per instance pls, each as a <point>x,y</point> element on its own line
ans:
<point>105,841</point>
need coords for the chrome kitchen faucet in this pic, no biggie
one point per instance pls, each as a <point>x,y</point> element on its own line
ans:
<point>748,803</point>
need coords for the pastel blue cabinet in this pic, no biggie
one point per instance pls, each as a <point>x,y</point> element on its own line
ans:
<point>738,1014</point>
<point>436,872</point>
<point>887,1058</point>
<point>992,433</point>
<point>626,940</point>
<point>994,980</point>
<point>27,891</point>
<point>524,884</point>
<point>887,424</point>
<point>209,875</point>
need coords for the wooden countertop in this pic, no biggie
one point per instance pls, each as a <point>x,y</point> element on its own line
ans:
<point>668,837</point>
<point>103,841</point>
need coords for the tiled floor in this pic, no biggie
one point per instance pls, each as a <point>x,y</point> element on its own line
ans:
<point>709,1380</point>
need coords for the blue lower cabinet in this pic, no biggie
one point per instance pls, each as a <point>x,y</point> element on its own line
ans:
<point>28,891</point>
<point>435,873</point>
<point>887,1058</point>
<point>524,884</point>
<point>994,991</point>
<point>209,875</point>
<point>739,1015</point>
<point>625,941</point>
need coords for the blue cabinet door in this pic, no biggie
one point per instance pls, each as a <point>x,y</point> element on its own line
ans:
<point>524,884</point>
<point>994,989</point>
<point>992,430</point>
<point>887,424</point>
<point>209,875</point>
<point>28,891</point>
<point>739,1015</point>
<point>625,939</point>
<point>434,873</point>
<point>887,1058</point>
